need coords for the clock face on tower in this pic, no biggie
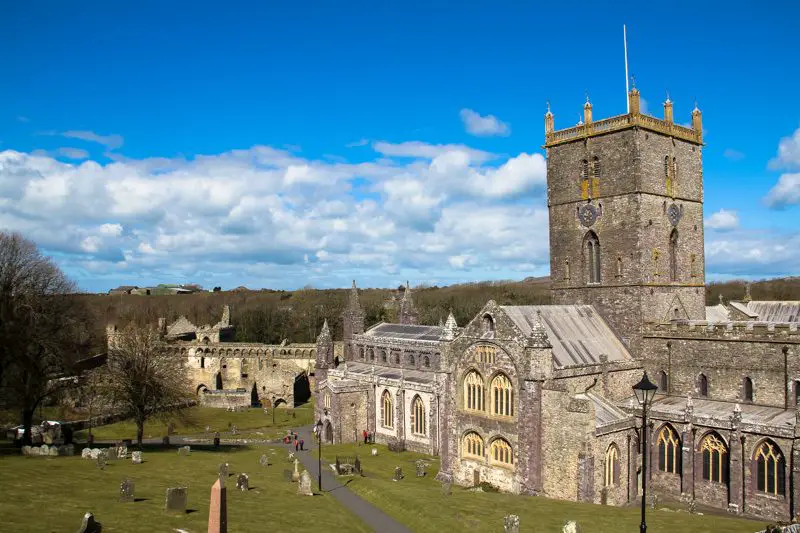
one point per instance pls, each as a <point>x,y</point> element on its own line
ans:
<point>587,214</point>
<point>673,214</point>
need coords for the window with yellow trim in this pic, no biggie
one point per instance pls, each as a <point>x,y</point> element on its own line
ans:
<point>715,458</point>
<point>770,469</point>
<point>611,471</point>
<point>669,450</point>
<point>472,446</point>
<point>500,452</point>
<point>417,416</point>
<point>474,392</point>
<point>502,396</point>
<point>485,354</point>
<point>387,410</point>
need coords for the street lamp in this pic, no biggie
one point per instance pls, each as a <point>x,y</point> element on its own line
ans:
<point>645,390</point>
<point>318,430</point>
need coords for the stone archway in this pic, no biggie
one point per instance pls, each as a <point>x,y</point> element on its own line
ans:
<point>302,389</point>
<point>328,432</point>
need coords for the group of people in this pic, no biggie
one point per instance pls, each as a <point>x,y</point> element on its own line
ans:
<point>369,437</point>
<point>292,438</point>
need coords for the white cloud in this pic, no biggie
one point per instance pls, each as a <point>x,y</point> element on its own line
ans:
<point>753,253</point>
<point>788,153</point>
<point>72,153</point>
<point>421,150</point>
<point>360,142</point>
<point>483,126</point>
<point>723,220</point>
<point>644,107</point>
<point>733,155</point>
<point>785,192</point>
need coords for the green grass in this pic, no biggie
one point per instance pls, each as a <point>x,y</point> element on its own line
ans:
<point>43,494</point>
<point>419,503</point>
<point>252,423</point>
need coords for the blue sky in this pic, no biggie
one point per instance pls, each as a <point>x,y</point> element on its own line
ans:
<point>309,143</point>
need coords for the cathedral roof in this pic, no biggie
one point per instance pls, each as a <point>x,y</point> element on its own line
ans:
<point>605,412</point>
<point>771,311</point>
<point>717,313</point>
<point>579,335</point>
<point>405,332</point>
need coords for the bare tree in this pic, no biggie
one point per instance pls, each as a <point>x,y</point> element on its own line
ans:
<point>44,327</point>
<point>142,378</point>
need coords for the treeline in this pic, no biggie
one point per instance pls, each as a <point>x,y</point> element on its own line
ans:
<point>768,289</point>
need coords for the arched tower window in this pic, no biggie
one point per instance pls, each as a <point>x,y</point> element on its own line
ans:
<point>411,359</point>
<point>585,179</point>
<point>502,396</point>
<point>747,389</point>
<point>387,410</point>
<point>715,458</point>
<point>417,416</point>
<point>673,255</point>
<point>663,381</point>
<point>327,400</point>
<point>591,245</point>
<point>472,446</point>
<point>595,192</point>
<point>500,452</point>
<point>383,356</point>
<point>674,175</point>
<point>669,450</point>
<point>702,385</point>
<point>473,392</point>
<point>770,469</point>
<point>611,471</point>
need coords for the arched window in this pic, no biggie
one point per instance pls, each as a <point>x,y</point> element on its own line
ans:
<point>797,393</point>
<point>417,416</point>
<point>486,354</point>
<point>426,362</point>
<point>674,175</point>
<point>411,359</point>
<point>673,255</point>
<point>770,469</point>
<point>473,392</point>
<point>715,458</point>
<point>747,387</point>
<point>383,356</point>
<point>669,450</point>
<point>361,352</point>
<point>327,400</point>
<point>585,179</point>
<point>502,396</point>
<point>387,410</point>
<point>472,445</point>
<point>611,471</point>
<point>500,452</point>
<point>591,245</point>
<point>371,353</point>
<point>595,192</point>
<point>488,324</point>
<point>702,385</point>
<point>260,364</point>
<point>662,381</point>
<point>202,362</point>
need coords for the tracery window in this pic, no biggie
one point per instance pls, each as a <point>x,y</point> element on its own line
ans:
<point>387,410</point>
<point>502,396</point>
<point>500,452</point>
<point>417,416</point>
<point>473,392</point>
<point>592,257</point>
<point>770,469</point>
<point>585,179</point>
<point>486,354</point>
<point>715,458</point>
<point>611,470</point>
<point>411,359</point>
<point>327,400</point>
<point>472,445</point>
<point>371,353</point>
<point>673,255</point>
<point>669,449</point>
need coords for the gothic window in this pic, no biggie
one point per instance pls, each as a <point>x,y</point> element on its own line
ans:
<point>417,416</point>
<point>486,354</point>
<point>473,392</point>
<point>387,410</point>
<point>595,192</point>
<point>662,381</point>
<point>426,362</point>
<point>383,356</point>
<point>500,452</point>
<point>566,269</point>
<point>327,400</point>
<point>472,445</point>
<point>371,353</point>
<point>770,469</point>
<point>361,352</point>
<point>673,255</point>
<point>611,471</point>
<point>585,179</point>
<point>411,359</point>
<point>747,387</point>
<point>202,362</point>
<point>488,324</point>
<point>702,385</point>
<point>502,396</point>
<point>592,257</point>
<point>669,450</point>
<point>715,458</point>
<point>674,175</point>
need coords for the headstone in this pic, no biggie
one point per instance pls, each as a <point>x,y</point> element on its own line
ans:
<point>53,451</point>
<point>511,524</point>
<point>243,482</point>
<point>95,453</point>
<point>291,456</point>
<point>218,509</point>
<point>304,487</point>
<point>126,491</point>
<point>208,429</point>
<point>653,500</point>
<point>692,506</point>
<point>101,460</point>
<point>420,465</point>
<point>90,525</point>
<point>136,458</point>
<point>44,449</point>
<point>122,452</point>
<point>184,450</point>
<point>374,452</point>
<point>26,450</point>
<point>86,453</point>
<point>176,499</point>
<point>296,473</point>
<point>233,430</point>
<point>571,527</point>
<point>398,474</point>
<point>223,472</point>
<point>264,460</point>
<point>446,489</point>
<point>34,450</point>
<point>67,450</point>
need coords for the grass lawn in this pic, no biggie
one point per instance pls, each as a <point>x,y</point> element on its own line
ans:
<point>42,494</point>
<point>420,504</point>
<point>252,423</point>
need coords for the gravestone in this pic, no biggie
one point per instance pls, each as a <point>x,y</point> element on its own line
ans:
<point>296,473</point>
<point>218,509</point>
<point>420,465</point>
<point>53,451</point>
<point>26,450</point>
<point>692,506</point>
<point>216,439</point>
<point>86,453</point>
<point>95,453</point>
<point>291,456</point>
<point>264,460</point>
<point>67,450</point>
<point>446,488</point>
<point>374,452</point>
<point>243,482</point>
<point>653,501</point>
<point>233,430</point>
<point>176,499</point>
<point>126,491</point>
<point>571,527</point>
<point>223,472</point>
<point>184,450</point>
<point>136,458</point>
<point>90,525</point>
<point>101,460</point>
<point>208,429</point>
<point>511,524</point>
<point>44,449</point>
<point>122,451</point>
<point>398,474</point>
<point>304,487</point>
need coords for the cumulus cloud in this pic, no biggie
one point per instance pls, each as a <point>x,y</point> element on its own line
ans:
<point>723,220</point>
<point>787,190</point>
<point>421,150</point>
<point>788,153</point>
<point>733,155</point>
<point>483,126</point>
<point>753,253</point>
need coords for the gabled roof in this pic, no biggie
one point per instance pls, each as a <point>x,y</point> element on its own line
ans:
<point>181,326</point>
<point>579,335</point>
<point>717,313</point>
<point>605,412</point>
<point>405,332</point>
<point>775,311</point>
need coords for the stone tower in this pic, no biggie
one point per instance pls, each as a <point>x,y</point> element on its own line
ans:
<point>625,196</point>
<point>408,313</point>
<point>324,353</point>
<point>352,322</point>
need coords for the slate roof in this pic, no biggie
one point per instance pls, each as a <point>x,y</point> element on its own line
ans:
<point>605,413</point>
<point>405,332</point>
<point>416,376</point>
<point>718,410</point>
<point>579,335</point>
<point>775,311</point>
<point>717,313</point>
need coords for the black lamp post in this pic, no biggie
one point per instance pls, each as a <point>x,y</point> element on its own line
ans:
<point>318,429</point>
<point>645,390</point>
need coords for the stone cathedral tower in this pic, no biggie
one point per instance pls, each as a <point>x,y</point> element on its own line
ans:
<point>625,196</point>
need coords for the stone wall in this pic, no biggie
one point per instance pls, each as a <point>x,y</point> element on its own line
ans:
<point>225,398</point>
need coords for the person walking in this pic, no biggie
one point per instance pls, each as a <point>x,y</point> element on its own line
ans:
<point>296,445</point>
<point>302,442</point>
<point>365,436</point>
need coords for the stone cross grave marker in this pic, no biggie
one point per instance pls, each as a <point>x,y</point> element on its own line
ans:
<point>264,460</point>
<point>374,452</point>
<point>184,450</point>
<point>136,458</point>
<point>304,487</point>
<point>511,523</point>
<point>89,524</point>
<point>126,491</point>
<point>296,473</point>
<point>243,482</point>
<point>122,452</point>
<point>218,509</point>
<point>176,499</point>
<point>571,527</point>
<point>420,466</point>
<point>398,474</point>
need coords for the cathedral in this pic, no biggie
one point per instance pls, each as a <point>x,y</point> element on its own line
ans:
<point>539,400</point>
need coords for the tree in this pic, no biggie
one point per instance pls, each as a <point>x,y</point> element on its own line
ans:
<point>44,327</point>
<point>142,378</point>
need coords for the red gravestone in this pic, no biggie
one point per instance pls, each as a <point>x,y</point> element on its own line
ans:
<point>218,509</point>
